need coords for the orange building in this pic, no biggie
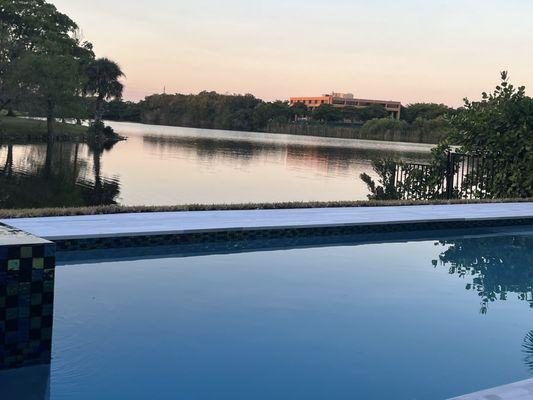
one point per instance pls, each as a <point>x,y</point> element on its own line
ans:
<point>348,100</point>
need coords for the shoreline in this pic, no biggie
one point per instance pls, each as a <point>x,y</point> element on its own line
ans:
<point>18,130</point>
<point>318,131</point>
<point>168,132</point>
<point>119,209</point>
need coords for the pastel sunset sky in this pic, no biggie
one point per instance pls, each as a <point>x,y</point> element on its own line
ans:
<point>406,50</point>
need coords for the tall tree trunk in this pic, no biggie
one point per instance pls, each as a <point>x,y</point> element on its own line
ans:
<point>99,109</point>
<point>50,120</point>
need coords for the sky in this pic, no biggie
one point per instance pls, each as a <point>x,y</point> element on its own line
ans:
<point>410,50</point>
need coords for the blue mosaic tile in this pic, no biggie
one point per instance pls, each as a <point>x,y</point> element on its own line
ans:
<point>26,304</point>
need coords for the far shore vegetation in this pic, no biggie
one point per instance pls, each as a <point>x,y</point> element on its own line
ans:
<point>421,122</point>
<point>118,209</point>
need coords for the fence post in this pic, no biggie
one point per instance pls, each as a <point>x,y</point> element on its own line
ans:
<point>450,172</point>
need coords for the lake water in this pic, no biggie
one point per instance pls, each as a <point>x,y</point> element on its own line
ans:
<point>161,165</point>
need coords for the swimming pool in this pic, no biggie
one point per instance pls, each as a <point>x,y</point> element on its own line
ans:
<point>420,318</point>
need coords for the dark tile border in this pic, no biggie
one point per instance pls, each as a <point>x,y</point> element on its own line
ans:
<point>27,274</point>
<point>291,236</point>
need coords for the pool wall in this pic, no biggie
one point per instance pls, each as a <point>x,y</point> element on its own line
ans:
<point>27,268</point>
<point>204,228</point>
<point>243,239</point>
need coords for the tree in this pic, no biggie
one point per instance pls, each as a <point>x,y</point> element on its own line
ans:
<point>350,114</point>
<point>299,110</point>
<point>266,113</point>
<point>103,81</point>
<point>500,129</point>
<point>374,111</point>
<point>118,110</point>
<point>426,111</point>
<point>6,50</point>
<point>40,67</point>
<point>327,113</point>
<point>46,82</point>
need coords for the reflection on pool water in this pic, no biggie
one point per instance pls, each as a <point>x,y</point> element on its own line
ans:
<point>424,319</point>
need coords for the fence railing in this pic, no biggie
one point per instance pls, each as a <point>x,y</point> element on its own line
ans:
<point>463,176</point>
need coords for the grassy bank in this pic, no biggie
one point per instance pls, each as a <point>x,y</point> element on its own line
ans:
<point>22,129</point>
<point>116,209</point>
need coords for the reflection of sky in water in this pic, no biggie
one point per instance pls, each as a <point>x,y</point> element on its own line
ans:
<point>312,323</point>
<point>168,165</point>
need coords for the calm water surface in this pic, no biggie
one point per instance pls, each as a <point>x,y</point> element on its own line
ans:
<point>160,165</point>
<point>423,320</point>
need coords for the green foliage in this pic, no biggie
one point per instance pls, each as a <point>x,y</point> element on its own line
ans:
<point>299,110</point>
<point>500,128</point>
<point>388,125</point>
<point>118,110</point>
<point>426,111</point>
<point>327,113</point>
<point>45,82</point>
<point>42,61</point>
<point>213,111</point>
<point>386,170</point>
<point>103,81</point>
<point>439,126</point>
<point>98,128</point>
<point>418,184</point>
<point>265,113</point>
<point>374,111</point>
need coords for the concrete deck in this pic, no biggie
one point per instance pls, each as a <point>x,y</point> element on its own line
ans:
<point>143,224</point>
<point>516,391</point>
<point>14,237</point>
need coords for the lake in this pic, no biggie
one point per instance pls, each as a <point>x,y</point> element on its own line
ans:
<point>161,165</point>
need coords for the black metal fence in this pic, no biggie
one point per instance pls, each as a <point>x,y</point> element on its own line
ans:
<point>462,176</point>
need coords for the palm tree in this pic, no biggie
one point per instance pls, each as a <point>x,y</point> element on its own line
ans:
<point>103,82</point>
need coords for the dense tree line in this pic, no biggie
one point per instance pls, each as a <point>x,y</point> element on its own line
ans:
<point>208,110</point>
<point>47,70</point>
<point>245,112</point>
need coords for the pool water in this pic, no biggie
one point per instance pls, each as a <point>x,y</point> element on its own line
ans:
<point>413,320</point>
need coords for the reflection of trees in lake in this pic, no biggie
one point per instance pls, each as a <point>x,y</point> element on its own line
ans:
<point>244,151</point>
<point>497,266</point>
<point>53,175</point>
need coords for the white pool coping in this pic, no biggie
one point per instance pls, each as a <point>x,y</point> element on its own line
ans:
<point>166,223</point>
<point>516,391</point>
